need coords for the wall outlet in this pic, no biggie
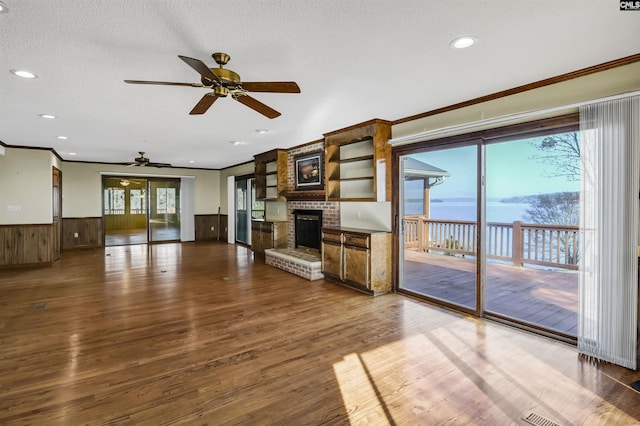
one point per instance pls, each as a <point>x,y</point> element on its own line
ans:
<point>213,228</point>
<point>75,235</point>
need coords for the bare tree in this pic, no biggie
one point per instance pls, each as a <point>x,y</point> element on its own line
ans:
<point>558,208</point>
<point>562,151</point>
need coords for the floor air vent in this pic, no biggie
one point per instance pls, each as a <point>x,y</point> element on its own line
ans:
<point>538,420</point>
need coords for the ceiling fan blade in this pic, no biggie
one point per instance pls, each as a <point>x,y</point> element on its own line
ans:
<point>257,106</point>
<point>159,165</point>
<point>273,86</point>
<point>200,66</point>
<point>204,104</point>
<point>164,83</point>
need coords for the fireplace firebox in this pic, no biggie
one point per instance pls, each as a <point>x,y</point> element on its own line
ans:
<point>308,224</point>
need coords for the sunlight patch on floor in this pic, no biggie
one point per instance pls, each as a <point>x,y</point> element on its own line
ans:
<point>459,370</point>
<point>358,393</point>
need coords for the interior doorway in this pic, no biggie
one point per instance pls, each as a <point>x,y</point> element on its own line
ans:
<point>140,210</point>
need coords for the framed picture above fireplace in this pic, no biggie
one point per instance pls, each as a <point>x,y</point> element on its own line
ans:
<point>308,169</point>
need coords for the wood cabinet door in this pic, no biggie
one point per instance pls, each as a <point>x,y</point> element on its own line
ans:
<point>256,243</point>
<point>332,259</point>
<point>356,265</point>
<point>266,230</point>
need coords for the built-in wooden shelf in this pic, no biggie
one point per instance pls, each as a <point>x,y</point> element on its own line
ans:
<point>353,159</point>
<point>271,175</point>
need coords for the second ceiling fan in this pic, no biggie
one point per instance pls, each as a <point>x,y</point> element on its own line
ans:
<point>225,82</point>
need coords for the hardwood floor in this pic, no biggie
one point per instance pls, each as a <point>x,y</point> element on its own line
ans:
<point>139,236</point>
<point>199,333</point>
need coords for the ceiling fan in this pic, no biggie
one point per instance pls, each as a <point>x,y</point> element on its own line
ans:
<point>224,82</point>
<point>143,161</point>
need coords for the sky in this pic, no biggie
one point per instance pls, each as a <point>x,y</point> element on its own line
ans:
<point>511,171</point>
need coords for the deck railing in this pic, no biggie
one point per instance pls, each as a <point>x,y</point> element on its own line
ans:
<point>517,242</point>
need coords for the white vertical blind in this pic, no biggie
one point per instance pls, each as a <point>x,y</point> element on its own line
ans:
<point>610,185</point>
<point>187,209</point>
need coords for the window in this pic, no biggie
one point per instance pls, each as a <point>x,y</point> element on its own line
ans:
<point>137,201</point>
<point>113,201</point>
<point>166,200</point>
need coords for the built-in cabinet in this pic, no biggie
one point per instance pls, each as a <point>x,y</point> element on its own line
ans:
<point>271,175</point>
<point>358,163</point>
<point>359,258</point>
<point>267,235</point>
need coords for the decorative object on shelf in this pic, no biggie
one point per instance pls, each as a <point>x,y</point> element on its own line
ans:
<point>308,171</point>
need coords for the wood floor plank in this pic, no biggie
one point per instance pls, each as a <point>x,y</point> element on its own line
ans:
<point>202,334</point>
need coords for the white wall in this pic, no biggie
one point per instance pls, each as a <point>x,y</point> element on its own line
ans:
<point>366,215</point>
<point>275,211</point>
<point>593,86</point>
<point>240,170</point>
<point>82,186</point>
<point>25,186</point>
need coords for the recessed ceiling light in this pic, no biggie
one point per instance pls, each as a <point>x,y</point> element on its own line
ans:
<point>3,8</point>
<point>23,73</point>
<point>261,131</point>
<point>72,153</point>
<point>47,116</point>
<point>192,161</point>
<point>463,42</point>
<point>63,137</point>
<point>236,143</point>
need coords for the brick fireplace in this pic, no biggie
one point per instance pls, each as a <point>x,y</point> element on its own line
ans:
<point>305,263</point>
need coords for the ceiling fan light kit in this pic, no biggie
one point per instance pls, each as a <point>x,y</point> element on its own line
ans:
<point>224,82</point>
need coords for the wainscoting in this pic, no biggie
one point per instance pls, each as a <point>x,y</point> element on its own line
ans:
<point>90,232</point>
<point>26,244</point>
<point>207,227</point>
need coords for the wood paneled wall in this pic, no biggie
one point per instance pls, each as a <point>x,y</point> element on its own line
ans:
<point>26,244</point>
<point>90,232</point>
<point>207,227</point>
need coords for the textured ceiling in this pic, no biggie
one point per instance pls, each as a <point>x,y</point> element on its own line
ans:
<point>353,60</point>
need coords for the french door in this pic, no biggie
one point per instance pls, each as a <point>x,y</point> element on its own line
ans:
<point>490,226</point>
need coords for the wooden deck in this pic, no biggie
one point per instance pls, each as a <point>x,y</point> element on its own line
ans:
<point>543,297</point>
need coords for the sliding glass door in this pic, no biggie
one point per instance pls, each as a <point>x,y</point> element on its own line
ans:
<point>124,210</point>
<point>164,212</point>
<point>491,227</point>
<point>243,218</point>
<point>440,217</point>
<point>532,210</point>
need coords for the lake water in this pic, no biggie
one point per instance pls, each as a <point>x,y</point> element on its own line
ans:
<point>466,210</point>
